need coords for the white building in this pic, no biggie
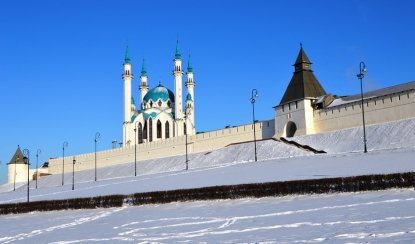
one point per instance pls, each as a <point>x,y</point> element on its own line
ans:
<point>160,113</point>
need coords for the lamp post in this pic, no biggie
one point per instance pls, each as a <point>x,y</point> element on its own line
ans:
<point>135,149</point>
<point>26,159</point>
<point>37,163</point>
<point>73,173</point>
<point>186,114</point>
<point>64,145</point>
<point>97,136</point>
<point>253,100</point>
<point>360,76</point>
<point>15,173</point>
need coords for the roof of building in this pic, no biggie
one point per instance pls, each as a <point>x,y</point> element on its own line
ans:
<point>159,92</point>
<point>189,97</point>
<point>189,65</point>
<point>177,54</point>
<point>143,69</point>
<point>376,93</point>
<point>303,82</point>
<point>127,59</point>
<point>17,157</point>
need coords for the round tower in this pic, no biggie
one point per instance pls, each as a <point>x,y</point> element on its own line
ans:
<point>17,168</point>
<point>127,77</point>
<point>143,83</point>
<point>178,74</point>
<point>190,84</point>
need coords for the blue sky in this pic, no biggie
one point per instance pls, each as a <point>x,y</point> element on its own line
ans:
<point>61,61</point>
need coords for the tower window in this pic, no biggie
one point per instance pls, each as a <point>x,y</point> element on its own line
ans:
<point>158,129</point>
<point>167,128</point>
<point>168,104</point>
<point>140,133</point>
<point>159,103</point>
<point>150,130</point>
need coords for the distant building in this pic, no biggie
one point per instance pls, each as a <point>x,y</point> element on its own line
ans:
<point>160,113</point>
<point>306,108</point>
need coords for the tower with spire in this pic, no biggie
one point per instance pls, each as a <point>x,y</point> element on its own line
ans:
<point>178,74</point>
<point>294,114</point>
<point>127,76</point>
<point>190,84</point>
<point>143,83</point>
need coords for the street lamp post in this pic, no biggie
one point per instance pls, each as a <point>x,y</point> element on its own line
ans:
<point>97,136</point>
<point>135,149</point>
<point>37,163</point>
<point>73,173</point>
<point>253,100</point>
<point>26,159</point>
<point>360,76</point>
<point>64,145</point>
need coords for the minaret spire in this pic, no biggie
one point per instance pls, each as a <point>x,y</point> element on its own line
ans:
<point>178,75</point>
<point>127,77</point>
<point>177,54</point>
<point>143,83</point>
<point>190,84</point>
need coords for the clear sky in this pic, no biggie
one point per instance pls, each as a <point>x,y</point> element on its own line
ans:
<point>61,61</point>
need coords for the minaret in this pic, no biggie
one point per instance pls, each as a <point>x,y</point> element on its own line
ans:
<point>178,74</point>
<point>190,84</point>
<point>143,83</point>
<point>127,77</point>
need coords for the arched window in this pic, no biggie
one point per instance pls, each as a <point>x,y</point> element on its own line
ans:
<point>167,128</point>
<point>159,103</point>
<point>168,104</point>
<point>150,130</point>
<point>145,130</point>
<point>158,129</point>
<point>185,128</point>
<point>140,133</point>
<point>151,104</point>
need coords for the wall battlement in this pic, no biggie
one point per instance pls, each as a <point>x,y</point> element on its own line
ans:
<point>174,146</point>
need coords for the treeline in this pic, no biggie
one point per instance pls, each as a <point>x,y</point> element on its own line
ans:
<point>312,186</point>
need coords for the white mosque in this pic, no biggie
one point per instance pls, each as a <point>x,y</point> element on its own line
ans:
<point>160,113</point>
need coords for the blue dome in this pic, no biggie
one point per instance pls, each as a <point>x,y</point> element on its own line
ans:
<point>159,92</point>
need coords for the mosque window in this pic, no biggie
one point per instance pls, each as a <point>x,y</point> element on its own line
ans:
<point>168,104</point>
<point>158,129</point>
<point>150,130</point>
<point>151,104</point>
<point>159,103</point>
<point>167,128</point>
<point>140,133</point>
<point>145,130</point>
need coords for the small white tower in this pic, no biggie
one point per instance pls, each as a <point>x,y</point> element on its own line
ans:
<point>190,84</point>
<point>127,77</point>
<point>178,74</point>
<point>143,83</point>
<point>17,168</point>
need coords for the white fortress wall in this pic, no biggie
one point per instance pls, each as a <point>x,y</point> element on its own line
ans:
<point>202,142</point>
<point>380,109</point>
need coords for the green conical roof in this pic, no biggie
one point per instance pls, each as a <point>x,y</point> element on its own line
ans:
<point>177,54</point>
<point>127,59</point>
<point>143,69</point>
<point>189,65</point>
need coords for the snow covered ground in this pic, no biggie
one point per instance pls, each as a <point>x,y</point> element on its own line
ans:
<point>375,217</point>
<point>385,216</point>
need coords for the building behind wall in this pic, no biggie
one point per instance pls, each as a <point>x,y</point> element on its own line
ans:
<point>306,108</point>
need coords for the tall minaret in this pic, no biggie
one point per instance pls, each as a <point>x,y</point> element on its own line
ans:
<point>127,77</point>
<point>190,84</point>
<point>143,83</point>
<point>177,72</point>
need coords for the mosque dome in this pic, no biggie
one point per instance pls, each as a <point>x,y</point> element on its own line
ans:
<point>159,92</point>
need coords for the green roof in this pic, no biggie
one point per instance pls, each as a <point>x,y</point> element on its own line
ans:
<point>177,54</point>
<point>189,65</point>
<point>127,59</point>
<point>143,69</point>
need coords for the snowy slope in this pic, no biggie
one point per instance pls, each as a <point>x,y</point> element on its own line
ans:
<point>374,217</point>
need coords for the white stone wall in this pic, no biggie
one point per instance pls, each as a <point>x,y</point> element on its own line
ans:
<point>18,170</point>
<point>171,147</point>
<point>377,110</point>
